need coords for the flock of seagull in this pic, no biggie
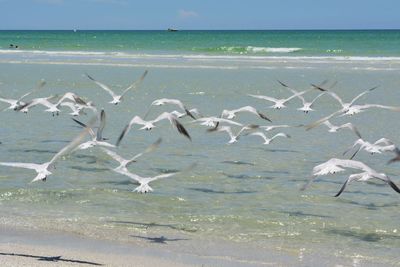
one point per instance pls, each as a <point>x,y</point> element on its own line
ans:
<point>225,122</point>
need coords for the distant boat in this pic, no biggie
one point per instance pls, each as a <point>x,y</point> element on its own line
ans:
<point>172,30</point>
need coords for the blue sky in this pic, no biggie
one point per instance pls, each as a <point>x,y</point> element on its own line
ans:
<point>199,14</point>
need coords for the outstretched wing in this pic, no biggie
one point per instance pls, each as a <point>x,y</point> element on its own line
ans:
<point>102,85</point>
<point>136,83</point>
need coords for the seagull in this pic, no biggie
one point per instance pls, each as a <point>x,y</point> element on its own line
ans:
<point>75,110</point>
<point>228,129</point>
<point>335,165</point>
<point>117,98</point>
<point>279,103</point>
<point>375,148</point>
<point>215,121</point>
<point>231,114</point>
<point>124,163</point>
<point>44,101</point>
<point>396,158</point>
<point>345,106</point>
<point>267,140</point>
<point>97,138</point>
<point>143,182</point>
<point>306,105</point>
<point>163,101</point>
<point>44,170</point>
<point>15,103</point>
<point>355,109</point>
<point>334,128</point>
<point>148,125</point>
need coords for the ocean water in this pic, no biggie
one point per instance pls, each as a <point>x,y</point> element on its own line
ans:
<point>246,194</point>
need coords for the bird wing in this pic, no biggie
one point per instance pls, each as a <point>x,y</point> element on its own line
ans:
<point>322,120</point>
<point>99,135</point>
<point>363,93</point>
<point>112,154</point>
<point>102,85</point>
<point>349,180</point>
<point>149,149</point>
<point>39,86</point>
<point>31,166</point>
<point>135,84</point>
<point>298,94</point>
<point>74,143</point>
<point>91,132</point>
<point>173,120</point>
<point>264,97</point>
<point>318,96</point>
<point>351,127</point>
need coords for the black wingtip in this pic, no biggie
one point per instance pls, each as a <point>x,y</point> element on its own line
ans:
<point>181,129</point>
<point>121,136</point>
<point>318,88</point>
<point>80,123</point>
<point>262,116</point>
<point>190,114</point>
<point>283,84</point>
<point>341,189</point>
<point>394,186</point>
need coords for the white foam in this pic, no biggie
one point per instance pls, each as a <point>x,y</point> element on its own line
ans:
<point>256,49</point>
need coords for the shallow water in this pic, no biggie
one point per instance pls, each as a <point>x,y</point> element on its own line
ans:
<point>244,193</point>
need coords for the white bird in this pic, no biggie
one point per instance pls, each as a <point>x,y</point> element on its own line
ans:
<point>355,109</point>
<point>177,102</point>
<point>75,110</point>
<point>231,114</point>
<point>44,170</point>
<point>143,182</point>
<point>233,137</point>
<point>335,165</point>
<point>345,106</point>
<point>279,103</point>
<point>381,145</point>
<point>306,105</point>
<point>124,163</point>
<point>118,98</point>
<point>148,125</point>
<point>15,103</point>
<point>44,101</point>
<point>215,121</point>
<point>96,138</point>
<point>267,140</point>
<point>334,128</point>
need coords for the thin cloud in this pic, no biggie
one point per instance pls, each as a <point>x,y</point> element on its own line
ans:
<point>114,2</point>
<point>50,2</point>
<point>187,14</point>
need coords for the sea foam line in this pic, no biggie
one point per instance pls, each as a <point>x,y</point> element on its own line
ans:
<point>193,56</point>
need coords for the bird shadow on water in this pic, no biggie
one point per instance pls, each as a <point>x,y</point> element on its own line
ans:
<point>212,191</point>
<point>303,214</point>
<point>367,237</point>
<point>237,162</point>
<point>40,151</point>
<point>150,225</point>
<point>159,240</point>
<point>370,206</point>
<point>50,259</point>
<point>88,169</point>
<point>245,176</point>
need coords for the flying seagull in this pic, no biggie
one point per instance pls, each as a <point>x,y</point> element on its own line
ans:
<point>118,98</point>
<point>124,163</point>
<point>279,103</point>
<point>148,125</point>
<point>44,170</point>
<point>15,103</point>
<point>143,182</point>
<point>267,140</point>
<point>96,138</point>
<point>177,102</point>
<point>231,114</point>
<point>335,165</point>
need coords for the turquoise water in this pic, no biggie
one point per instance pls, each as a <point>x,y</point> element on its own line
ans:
<point>294,43</point>
<point>244,194</point>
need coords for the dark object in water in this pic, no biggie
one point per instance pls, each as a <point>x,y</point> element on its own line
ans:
<point>172,30</point>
